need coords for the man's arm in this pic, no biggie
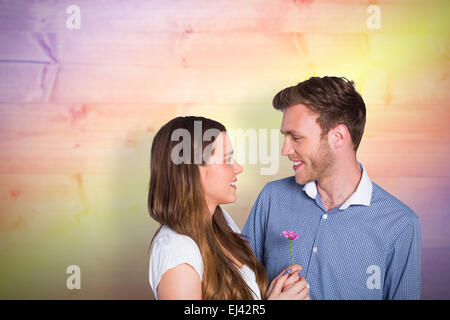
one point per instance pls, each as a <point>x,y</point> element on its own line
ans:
<point>403,272</point>
<point>255,227</point>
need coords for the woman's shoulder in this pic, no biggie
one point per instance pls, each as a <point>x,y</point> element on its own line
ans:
<point>230,222</point>
<point>170,239</point>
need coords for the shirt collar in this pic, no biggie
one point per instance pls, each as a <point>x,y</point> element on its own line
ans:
<point>361,196</point>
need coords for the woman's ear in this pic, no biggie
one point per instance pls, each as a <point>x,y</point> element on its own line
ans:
<point>203,171</point>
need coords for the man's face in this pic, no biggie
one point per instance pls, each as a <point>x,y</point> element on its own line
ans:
<point>311,155</point>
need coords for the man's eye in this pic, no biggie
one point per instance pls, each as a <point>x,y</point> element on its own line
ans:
<point>296,138</point>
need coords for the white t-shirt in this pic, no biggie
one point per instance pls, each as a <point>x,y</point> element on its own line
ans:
<point>171,249</point>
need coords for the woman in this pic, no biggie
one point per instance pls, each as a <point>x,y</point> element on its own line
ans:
<point>198,252</point>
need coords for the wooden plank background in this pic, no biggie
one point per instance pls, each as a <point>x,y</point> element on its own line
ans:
<point>79,109</point>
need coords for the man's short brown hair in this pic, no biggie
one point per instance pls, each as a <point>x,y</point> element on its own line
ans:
<point>333,98</point>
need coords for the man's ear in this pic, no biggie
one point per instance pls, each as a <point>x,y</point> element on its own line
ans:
<point>340,135</point>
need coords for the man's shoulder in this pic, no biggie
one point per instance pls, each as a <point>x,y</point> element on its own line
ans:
<point>392,204</point>
<point>283,185</point>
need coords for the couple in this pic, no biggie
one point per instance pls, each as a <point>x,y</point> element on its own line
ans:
<point>356,241</point>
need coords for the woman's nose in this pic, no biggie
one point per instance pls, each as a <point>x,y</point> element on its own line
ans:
<point>237,168</point>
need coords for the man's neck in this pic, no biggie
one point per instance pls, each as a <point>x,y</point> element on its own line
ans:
<point>339,183</point>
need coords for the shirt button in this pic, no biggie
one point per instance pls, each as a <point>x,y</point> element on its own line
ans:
<point>315,249</point>
<point>325,216</point>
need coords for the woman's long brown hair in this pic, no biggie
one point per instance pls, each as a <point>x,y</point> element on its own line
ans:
<point>176,199</point>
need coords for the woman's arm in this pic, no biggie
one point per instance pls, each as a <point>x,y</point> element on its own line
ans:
<point>180,283</point>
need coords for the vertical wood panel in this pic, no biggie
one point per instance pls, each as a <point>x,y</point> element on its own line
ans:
<point>79,108</point>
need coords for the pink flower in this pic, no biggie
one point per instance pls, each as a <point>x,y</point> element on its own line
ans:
<point>291,235</point>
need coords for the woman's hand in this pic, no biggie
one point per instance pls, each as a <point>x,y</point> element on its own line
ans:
<point>288,285</point>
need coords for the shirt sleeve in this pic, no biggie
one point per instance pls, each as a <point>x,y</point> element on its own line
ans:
<point>403,271</point>
<point>254,230</point>
<point>170,251</point>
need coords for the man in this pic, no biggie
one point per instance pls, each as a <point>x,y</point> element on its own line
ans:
<point>356,241</point>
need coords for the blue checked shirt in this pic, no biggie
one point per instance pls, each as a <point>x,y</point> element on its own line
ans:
<point>367,248</point>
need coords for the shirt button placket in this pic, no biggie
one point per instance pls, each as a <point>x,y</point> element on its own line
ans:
<point>324,217</point>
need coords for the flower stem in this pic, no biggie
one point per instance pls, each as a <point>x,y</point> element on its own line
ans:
<point>290,250</point>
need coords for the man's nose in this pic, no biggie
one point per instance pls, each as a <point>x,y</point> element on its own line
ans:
<point>287,147</point>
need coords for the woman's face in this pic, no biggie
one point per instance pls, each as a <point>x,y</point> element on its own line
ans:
<point>218,176</point>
